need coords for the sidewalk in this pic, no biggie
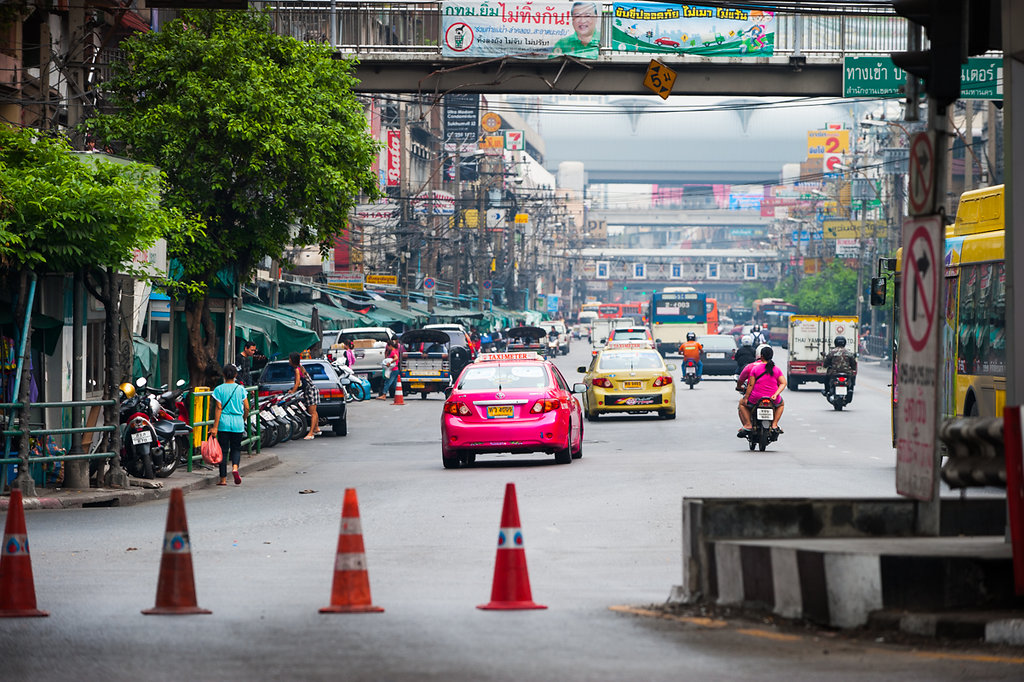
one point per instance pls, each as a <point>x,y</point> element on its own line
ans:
<point>201,476</point>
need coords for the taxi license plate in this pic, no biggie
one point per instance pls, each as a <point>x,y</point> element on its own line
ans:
<point>632,384</point>
<point>764,413</point>
<point>140,437</point>
<point>499,411</point>
<point>716,356</point>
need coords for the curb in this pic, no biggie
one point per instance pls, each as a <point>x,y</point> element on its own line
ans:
<point>116,497</point>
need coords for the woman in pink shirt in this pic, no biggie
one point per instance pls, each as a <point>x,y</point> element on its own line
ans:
<point>763,380</point>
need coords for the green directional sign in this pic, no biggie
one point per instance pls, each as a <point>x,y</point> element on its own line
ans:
<point>980,78</point>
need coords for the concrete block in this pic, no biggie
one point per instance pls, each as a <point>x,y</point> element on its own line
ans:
<point>730,573</point>
<point>854,585</point>
<point>1008,631</point>
<point>919,624</point>
<point>786,581</point>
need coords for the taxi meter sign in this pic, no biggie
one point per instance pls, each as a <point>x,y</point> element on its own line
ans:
<point>918,359</point>
<point>660,79</point>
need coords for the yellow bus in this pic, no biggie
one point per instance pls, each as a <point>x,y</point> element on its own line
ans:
<point>973,336</point>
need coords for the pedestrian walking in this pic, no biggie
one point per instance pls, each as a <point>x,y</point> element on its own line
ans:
<point>392,365</point>
<point>310,393</point>
<point>230,412</point>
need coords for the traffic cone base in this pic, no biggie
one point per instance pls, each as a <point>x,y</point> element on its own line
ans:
<point>350,591</point>
<point>399,398</point>
<point>511,588</point>
<point>17,589</point>
<point>176,588</point>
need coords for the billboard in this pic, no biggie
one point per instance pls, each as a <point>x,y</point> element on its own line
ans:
<point>692,29</point>
<point>480,29</point>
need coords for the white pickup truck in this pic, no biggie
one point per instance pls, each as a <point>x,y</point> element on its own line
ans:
<point>368,345</point>
<point>810,339</point>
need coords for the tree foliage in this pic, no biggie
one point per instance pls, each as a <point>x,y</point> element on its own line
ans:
<point>259,134</point>
<point>59,213</point>
<point>833,291</point>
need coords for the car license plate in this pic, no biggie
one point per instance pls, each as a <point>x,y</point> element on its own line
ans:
<point>416,385</point>
<point>499,411</point>
<point>279,411</point>
<point>765,413</point>
<point>840,390</point>
<point>632,384</point>
<point>140,437</point>
<point>716,356</point>
<point>820,370</point>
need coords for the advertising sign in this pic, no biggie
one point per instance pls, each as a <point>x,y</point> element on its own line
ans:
<point>827,142</point>
<point>345,281</point>
<point>692,29</point>
<point>382,280</point>
<point>394,169</point>
<point>553,29</point>
<point>461,117</point>
<point>434,202</point>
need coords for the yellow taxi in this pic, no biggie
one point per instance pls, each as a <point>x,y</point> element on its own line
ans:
<point>628,378</point>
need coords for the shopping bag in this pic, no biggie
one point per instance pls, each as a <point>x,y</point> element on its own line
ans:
<point>211,452</point>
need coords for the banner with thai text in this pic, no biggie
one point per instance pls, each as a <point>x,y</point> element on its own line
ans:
<point>692,29</point>
<point>532,30</point>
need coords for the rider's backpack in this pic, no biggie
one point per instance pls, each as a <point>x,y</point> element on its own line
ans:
<point>841,361</point>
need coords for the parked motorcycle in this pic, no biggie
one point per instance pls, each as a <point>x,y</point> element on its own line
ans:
<point>142,453</point>
<point>839,390</point>
<point>172,432</point>
<point>690,373</point>
<point>356,388</point>
<point>761,419</point>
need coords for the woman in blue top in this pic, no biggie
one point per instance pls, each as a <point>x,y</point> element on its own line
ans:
<point>231,408</point>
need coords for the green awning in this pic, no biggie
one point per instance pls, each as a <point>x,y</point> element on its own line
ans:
<point>275,333</point>
<point>331,316</point>
<point>390,312</point>
<point>146,361</point>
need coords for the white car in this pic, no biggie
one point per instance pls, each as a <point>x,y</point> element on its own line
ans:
<point>368,345</point>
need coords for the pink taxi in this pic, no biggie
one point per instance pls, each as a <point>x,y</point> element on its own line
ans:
<point>511,402</point>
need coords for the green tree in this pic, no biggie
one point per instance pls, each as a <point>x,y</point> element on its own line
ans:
<point>833,291</point>
<point>60,213</point>
<point>259,134</point>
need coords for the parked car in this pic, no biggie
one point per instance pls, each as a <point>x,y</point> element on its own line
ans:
<point>278,377</point>
<point>368,344</point>
<point>719,354</point>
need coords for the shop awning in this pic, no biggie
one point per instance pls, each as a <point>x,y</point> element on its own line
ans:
<point>331,316</point>
<point>275,333</point>
<point>386,313</point>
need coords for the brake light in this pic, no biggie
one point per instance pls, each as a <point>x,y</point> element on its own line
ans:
<point>457,408</point>
<point>332,393</point>
<point>602,382</point>
<point>663,381</point>
<point>264,393</point>
<point>544,405</point>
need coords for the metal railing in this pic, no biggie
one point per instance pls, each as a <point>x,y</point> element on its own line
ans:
<point>373,27</point>
<point>201,411</point>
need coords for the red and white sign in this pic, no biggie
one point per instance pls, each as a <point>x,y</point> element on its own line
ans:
<point>922,174</point>
<point>394,170</point>
<point>918,362</point>
<point>514,140</point>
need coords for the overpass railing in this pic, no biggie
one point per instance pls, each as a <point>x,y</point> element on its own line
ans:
<point>374,27</point>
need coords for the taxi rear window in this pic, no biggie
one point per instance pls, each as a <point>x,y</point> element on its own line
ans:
<point>629,335</point>
<point>630,361</point>
<point>484,377</point>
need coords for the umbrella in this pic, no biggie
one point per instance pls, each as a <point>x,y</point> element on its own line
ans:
<point>317,326</point>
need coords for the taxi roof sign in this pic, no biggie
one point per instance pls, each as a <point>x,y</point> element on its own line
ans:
<point>628,345</point>
<point>507,357</point>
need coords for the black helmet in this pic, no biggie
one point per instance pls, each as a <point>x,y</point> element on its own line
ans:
<point>690,336</point>
<point>840,341</point>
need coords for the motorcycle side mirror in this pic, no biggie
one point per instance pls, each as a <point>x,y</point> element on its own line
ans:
<point>180,383</point>
<point>141,382</point>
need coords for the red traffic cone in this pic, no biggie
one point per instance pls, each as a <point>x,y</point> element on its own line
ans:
<point>511,588</point>
<point>399,400</point>
<point>17,589</point>
<point>176,588</point>
<point>350,592</point>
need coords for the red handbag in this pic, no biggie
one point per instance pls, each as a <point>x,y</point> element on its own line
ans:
<point>211,452</point>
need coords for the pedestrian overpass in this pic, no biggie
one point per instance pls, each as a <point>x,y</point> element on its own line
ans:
<point>398,46</point>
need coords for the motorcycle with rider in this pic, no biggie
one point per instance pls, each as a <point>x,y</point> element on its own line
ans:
<point>840,374</point>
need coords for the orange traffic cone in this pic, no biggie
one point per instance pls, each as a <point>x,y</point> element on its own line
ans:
<point>350,592</point>
<point>399,400</point>
<point>17,589</point>
<point>176,588</point>
<point>511,588</point>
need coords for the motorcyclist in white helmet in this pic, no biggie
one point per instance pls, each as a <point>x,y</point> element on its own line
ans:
<point>745,354</point>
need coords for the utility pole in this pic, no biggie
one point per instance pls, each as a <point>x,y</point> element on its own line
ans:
<point>403,191</point>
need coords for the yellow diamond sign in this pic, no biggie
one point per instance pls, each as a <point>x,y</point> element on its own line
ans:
<point>660,79</point>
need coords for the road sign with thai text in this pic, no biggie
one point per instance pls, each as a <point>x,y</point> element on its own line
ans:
<point>382,280</point>
<point>878,76</point>
<point>918,362</point>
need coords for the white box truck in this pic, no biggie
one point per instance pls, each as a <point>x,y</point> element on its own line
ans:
<point>810,339</point>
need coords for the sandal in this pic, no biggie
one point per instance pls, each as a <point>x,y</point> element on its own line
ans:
<point>222,482</point>
<point>238,477</point>
<point>309,437</point>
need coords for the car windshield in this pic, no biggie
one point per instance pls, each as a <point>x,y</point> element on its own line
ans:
<point>629,335</point>
<point>499,376</point>
<point>277,372</point>
<point>718,343</point>
<point>611,361</point>
<point>352,336</point>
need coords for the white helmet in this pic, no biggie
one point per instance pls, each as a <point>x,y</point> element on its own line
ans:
<point>763,345</point>
<point>747,340</point>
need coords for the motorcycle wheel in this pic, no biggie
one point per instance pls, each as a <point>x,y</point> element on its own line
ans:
<point>168,469</point>
<point>838,406</point>
<point>284,431</point>
<point>762,440</point>
<point>751,442</point>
